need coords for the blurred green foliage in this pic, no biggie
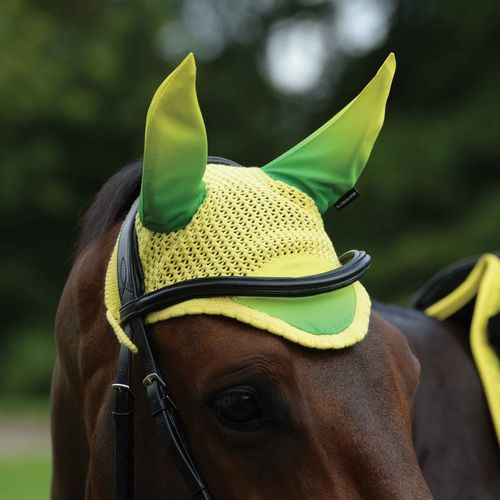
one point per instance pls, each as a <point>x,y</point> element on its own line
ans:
<point>75,82</point>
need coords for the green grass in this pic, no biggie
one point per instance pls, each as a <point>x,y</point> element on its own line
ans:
<point>25,478</point>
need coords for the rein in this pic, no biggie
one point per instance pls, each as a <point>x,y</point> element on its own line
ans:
<point>136,304</point>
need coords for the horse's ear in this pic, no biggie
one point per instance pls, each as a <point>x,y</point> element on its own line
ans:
<point>175,153</point>
<point>328,163</point>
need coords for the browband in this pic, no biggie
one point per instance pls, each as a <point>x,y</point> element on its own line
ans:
<point>355,263</point>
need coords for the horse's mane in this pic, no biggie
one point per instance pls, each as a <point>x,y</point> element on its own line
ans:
<point>110,205</point>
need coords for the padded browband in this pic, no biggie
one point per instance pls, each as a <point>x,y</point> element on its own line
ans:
<point>354,264</point>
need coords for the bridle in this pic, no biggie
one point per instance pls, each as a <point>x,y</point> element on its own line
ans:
<point>136,305</point>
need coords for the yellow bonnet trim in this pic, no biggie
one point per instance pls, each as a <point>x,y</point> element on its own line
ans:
<point>483,283</point>
<point>229,308</point>
<point>113,303</point>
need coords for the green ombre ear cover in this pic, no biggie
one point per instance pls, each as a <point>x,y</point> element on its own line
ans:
<point>175,153</point>
<point>328,163</point>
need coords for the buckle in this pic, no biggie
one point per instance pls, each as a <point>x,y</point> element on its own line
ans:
<point>162,395</point>
<point>149,379</point>
<point>122,387</point>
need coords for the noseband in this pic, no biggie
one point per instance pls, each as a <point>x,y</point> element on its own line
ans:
<point>136,305</point>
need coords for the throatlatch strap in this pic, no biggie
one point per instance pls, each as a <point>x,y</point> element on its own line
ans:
<point>124,400</point>
<point>124,428</point>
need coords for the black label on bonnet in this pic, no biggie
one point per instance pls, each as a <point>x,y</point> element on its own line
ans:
<point>346,198</point>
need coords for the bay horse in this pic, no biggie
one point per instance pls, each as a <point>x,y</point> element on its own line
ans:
<point>343,417</point>
<point>269,408</point>
<point>358,408</point>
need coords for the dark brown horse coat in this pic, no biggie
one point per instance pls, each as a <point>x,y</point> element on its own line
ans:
<point>343,426</point>
<point>340,421</point>
<point>452,429</point>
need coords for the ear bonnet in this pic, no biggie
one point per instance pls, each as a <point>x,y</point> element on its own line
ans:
<point>199,220</point>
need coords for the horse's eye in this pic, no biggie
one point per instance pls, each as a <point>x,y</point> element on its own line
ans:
<point>237,407</point>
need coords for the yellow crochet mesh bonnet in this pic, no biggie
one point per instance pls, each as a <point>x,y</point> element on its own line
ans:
<point>197,220</point>
<point>248,225</point>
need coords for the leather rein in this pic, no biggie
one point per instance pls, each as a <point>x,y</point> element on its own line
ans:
<point>136,304</point>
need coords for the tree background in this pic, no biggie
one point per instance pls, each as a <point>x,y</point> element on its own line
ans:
<point>76,79</point>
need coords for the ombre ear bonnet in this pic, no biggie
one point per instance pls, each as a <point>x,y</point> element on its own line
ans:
<point>199,220</point>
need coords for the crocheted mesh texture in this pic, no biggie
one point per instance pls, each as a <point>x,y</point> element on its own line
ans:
<point>246,220</point>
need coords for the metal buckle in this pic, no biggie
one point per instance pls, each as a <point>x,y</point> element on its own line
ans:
<point>122,387</point>
<point>149,379</point>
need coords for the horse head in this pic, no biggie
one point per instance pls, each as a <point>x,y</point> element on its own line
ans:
<point>277,396</point>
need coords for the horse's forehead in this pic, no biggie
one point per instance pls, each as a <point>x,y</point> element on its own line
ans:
<point>211,346</point>
<point>220,342</point>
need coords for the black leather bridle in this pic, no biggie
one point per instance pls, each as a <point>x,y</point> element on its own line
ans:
<point>136,304</point>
